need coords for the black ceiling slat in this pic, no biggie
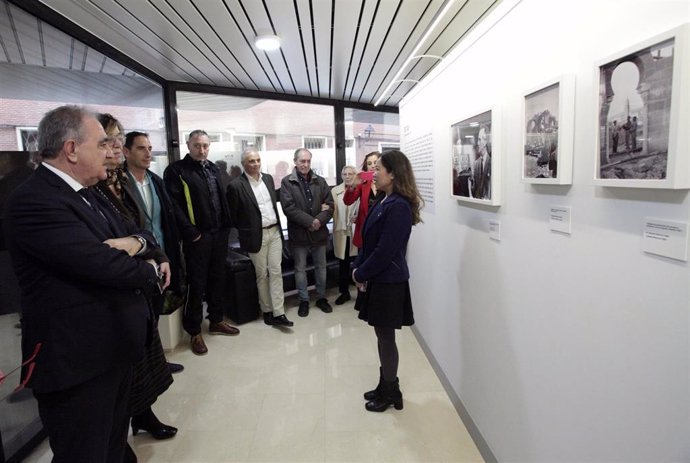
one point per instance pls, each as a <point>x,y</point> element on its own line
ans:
<point>282,53</point>
<point>83,61</point>
<point>239,82</point>
<point>438,37</point>
<point>105,58</point>
<point>58,21</point>
<point>304,51</point>
<point>41,40</point>
<point>313,40</point>
<point>421,16</point>
<point>249,44</point>
<point>383,42</point>
<point>2,41</point>
<point>16,34</point>
<point>152,47</point>
<point>364,48</point>
<point>227,8</point>
<point>354,45</point>
<point>71,53</point>
<point>330,60</point>
<point>158,37</point>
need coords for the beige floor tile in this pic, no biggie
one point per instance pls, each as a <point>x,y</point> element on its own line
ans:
<point>295,395</point>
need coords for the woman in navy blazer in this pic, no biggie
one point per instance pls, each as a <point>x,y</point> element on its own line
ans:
<point>381,273</point>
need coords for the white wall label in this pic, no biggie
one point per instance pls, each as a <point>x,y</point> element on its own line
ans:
<point>666,238</point>
<point>495,230</point>
<point>559,219</point>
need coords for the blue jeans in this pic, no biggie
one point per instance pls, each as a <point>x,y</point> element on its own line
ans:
<point>318,256</point>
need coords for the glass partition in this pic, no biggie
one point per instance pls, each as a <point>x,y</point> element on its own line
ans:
<point>275,128</point>
<point>367,131</point>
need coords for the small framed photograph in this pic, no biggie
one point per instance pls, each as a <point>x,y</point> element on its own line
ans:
<point>475,159</point>
<point>548,130</point>
<point>642,135</point>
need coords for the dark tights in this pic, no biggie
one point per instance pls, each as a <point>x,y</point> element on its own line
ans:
<point>388,352</point>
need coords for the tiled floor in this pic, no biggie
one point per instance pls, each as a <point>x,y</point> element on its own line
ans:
<point>296,396</point>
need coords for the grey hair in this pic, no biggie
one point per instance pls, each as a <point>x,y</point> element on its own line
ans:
<point>349,167</point>
<point>298,151</point>
<point>58,126</point>
<point>247,152</point>
<point>196,133</point>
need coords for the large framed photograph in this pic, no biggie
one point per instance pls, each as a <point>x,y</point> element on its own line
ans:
<point>475,160</point>
<point>548,124</point>
<point>642,125</point>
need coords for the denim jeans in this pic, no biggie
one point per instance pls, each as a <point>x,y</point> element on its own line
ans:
<point>318,256</point>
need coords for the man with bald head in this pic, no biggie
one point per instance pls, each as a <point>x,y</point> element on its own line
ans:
<point>254,211</point>
<point>85,277</point>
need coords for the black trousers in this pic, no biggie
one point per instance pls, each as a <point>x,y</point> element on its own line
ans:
<point>89,422</point>
<point>205,260</point>
<point>344,270</point>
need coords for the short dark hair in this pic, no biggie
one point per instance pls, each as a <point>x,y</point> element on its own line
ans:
<point>129,139</point>
<point>299,150</point>
<point>58,126</point>
<point>195,133</point>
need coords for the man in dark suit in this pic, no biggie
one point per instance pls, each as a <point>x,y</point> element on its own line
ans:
<point>84,279</point>
<point>253,210</point>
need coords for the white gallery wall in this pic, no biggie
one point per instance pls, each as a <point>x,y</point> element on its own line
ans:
<point>562,348</point>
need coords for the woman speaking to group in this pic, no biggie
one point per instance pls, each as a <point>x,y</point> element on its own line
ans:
<point>380,270</point>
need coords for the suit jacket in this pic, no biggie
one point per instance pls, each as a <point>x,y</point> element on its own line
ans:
<point>84,303</point>
<point>300,215</point>
<point>342,213</point>
<point>386,232</point>
<point>244,210</point>
<point>170,217</point>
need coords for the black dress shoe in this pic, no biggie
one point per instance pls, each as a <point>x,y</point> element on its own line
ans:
<point>175,367</point>
<point>268,318</point>
<point>282,321</point>
<point>303,310</point>
<point>342,299</point>
<point>148,422</point>
<point>324,305</point>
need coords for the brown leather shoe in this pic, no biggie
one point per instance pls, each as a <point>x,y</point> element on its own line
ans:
<point>224,328</point>
<point>198,345</point>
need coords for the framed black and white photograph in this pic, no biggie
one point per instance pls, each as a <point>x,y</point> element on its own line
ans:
<point>475,159</point>
<point>642,124</point>
<point>548,132</point>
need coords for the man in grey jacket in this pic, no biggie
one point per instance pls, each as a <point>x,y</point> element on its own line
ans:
<point>308,205</point>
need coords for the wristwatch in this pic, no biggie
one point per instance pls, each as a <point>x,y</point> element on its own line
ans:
<point>141,241</point>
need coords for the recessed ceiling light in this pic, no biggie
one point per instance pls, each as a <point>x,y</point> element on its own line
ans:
<point>267,42</point>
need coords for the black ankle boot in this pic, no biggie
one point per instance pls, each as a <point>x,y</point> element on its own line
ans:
<point>389,394</point>
<point>373,394</point>
<point>147,421</point>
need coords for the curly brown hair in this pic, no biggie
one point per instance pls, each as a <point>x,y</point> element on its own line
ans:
<point>405,185</point>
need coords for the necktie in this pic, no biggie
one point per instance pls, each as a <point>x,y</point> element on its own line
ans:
<point>90,198</point>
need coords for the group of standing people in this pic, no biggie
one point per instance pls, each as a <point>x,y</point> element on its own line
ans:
<point>95,243</point>
<point>629,129</point>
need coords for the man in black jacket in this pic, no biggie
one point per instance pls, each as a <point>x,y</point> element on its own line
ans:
<point>196,190</point>
<point>308,205</point>
<point>254,211</point>
<point>85,278</point>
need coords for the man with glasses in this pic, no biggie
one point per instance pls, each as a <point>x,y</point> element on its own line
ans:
<point>194,185</point>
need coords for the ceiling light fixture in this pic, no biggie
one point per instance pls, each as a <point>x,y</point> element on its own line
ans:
<point>413,55</point>
<point>267,42</point>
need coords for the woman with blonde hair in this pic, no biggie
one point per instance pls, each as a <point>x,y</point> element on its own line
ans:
<point>381,273</point>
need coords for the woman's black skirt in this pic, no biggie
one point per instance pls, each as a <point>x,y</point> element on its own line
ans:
<point>150,377</point>
<point>386,305</point>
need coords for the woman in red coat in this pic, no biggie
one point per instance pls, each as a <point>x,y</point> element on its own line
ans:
<point>363,189</point>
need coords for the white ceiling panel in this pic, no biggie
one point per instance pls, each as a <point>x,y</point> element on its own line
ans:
<point>337,49</point>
